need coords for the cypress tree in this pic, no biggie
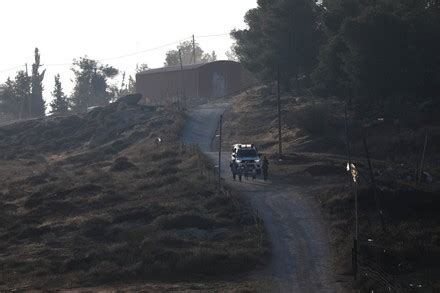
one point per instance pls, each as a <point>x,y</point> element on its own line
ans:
<point>38,106</point>
<point>59,104</point>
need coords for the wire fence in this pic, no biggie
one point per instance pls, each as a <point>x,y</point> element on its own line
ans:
<point>382,280</point>
<point>378,266</point>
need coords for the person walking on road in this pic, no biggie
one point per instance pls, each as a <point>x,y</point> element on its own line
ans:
<point>246,171</point>
<point>254,173</point>
<point>240,172</point>
<point>265,168</point>
<point>234,169</point>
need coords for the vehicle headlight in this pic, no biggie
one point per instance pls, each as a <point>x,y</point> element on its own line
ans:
<point>238,161</point>
<point>257,161</point>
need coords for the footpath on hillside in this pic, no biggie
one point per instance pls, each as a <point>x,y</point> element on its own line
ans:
<point>301,260</point>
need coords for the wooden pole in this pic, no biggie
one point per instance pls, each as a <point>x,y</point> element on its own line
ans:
<point>280,146</point>
<point>355,241</point>
<point>373,183</point>
<point>26,100</point>
<point>220,153</point>
<point>194,50</point>
<point>354,185</point>
<point>422,162</point>
<point>347,141</point>
<point>180,59</point>
<point>20,116</point>
<point>182,92</point>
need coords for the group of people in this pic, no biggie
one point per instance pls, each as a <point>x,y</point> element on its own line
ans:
<point>249,170</point>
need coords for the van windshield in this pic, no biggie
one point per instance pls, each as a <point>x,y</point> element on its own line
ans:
<point>247,153</point>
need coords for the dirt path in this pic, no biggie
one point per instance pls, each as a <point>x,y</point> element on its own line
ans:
<point>301,260</point>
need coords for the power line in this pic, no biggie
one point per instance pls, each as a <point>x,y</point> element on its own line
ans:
<point>211,36</point>
<point>215,35</point>
<point>125,55</point>
<point>55,65</point>
<point>144,51</point>
<point>9,69</point>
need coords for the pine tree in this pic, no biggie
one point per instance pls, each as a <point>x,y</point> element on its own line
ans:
<point>91,84</point>
<point>22,92</point>
<point>59,104</point>
<point>38,107</point>
<point>141,67</point>
<point>131,85</point>
<point>281,34</point>
<point>15,99</point>
<point>9,104</point>
<point>186,49</point>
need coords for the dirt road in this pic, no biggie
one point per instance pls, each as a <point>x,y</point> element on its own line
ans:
<point>301,260</point>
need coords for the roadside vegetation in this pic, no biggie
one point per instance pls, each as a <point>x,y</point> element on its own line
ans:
<point>404,250</point>
<point>95,199</point>
<point>377,61</point>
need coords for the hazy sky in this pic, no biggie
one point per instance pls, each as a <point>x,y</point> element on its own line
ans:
<point>102,29</point>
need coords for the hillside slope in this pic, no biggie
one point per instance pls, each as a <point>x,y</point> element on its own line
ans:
<point>95,200</point>
<point>406,250</point>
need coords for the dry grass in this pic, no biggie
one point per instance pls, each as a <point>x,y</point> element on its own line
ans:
<point>308,124</point>
<point>120,211</point>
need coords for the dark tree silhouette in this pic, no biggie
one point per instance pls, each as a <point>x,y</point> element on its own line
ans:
<point>59,103</point>
<point>186,48</point>
<point>91,84</point>
<point>37,107</point>
<point>281,33</point>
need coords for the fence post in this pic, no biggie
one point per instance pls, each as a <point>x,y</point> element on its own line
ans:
<point>280,145</point>
<point>422,162</point>
<point>220,153</point>
<point>373,182</point>
<point>353,182</point>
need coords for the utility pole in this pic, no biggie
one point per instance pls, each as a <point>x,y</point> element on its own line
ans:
<point>280,146</point>
<point>26,101</point>
<point>182,94</point>
<point>356,235</point>
<point>353,180</point>
<point>373,183</point>
<point>22,102</point>
<point>180,59</point>
<point>422,162</point>
<point>194,50</point>
<point>220,153</point>
<point>28,96</point>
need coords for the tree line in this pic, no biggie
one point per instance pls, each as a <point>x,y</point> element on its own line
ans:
<point>22,96</point>
<point>364,51</point>
<point>190,53</point>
